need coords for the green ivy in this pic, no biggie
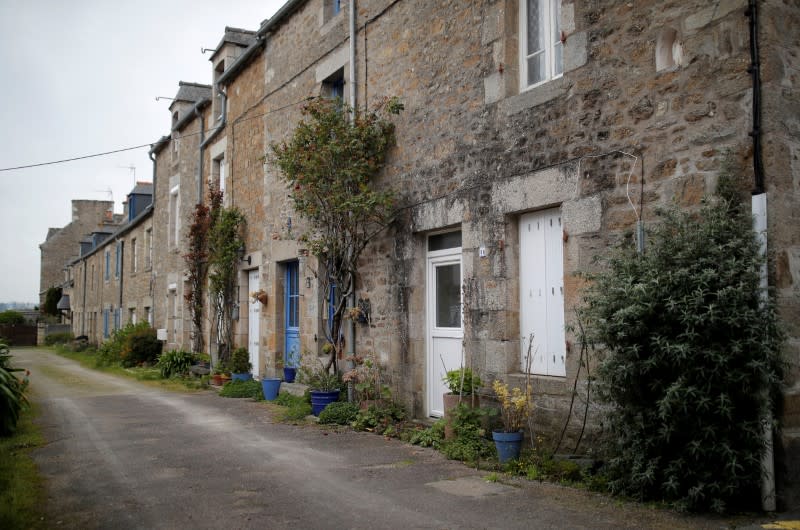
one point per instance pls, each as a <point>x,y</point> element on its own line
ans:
<point>692,360</point>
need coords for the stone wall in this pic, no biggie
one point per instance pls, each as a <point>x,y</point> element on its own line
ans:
<point>62,244</point>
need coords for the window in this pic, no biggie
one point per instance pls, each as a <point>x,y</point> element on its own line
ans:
<point>132,316</point>
<point>333,86</point>
<point>148,244</point>
<point>174,216</point>
<point>541,48</point>
<point>148,311</point>
<point>331,9</point>
<point>105,323</point>
<point>218,173</point>
<point>108,265</point>
<point>92,276</point>
<point>118,261</point>
<point>134,256</point>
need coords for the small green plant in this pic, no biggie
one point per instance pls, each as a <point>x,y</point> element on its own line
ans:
<point>174,362</point>
<point>240,361</point>
<point>243,389</point>
<point>469,443</point>
<point>297,407</point>
<point>462,381</point>
<point>59,338</point>
<point>492,477</point>
<point>432,436</point>
<point>339,413</point>
<point>380,418</point>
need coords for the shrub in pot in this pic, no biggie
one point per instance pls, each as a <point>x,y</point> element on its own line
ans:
<point>240,365</point>
<point>324,386</point>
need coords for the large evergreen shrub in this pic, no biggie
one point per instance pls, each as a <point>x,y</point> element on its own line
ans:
<point>692,361</point>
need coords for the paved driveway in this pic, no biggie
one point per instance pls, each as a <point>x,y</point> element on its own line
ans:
<point>122,455</point>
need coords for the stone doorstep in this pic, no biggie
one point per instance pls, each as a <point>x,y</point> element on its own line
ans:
<point>295,389</point>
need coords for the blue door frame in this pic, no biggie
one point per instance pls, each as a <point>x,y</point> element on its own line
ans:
<point>291,303</point>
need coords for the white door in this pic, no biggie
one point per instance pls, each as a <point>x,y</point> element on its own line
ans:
<point>444,320</point>
<point>541,282</point>
<point>254,316</point>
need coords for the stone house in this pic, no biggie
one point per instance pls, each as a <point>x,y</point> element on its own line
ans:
<point>61,244</point>
<point>536,134</point>
<point>111,283</point>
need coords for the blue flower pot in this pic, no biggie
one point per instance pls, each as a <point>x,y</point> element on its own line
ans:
<point>508,445</point>
<point>289,373</point>
<point>271,387</point>
<point>321,399</point>
<point>241,377</point>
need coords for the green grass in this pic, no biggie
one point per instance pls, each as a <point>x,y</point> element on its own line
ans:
<point>150,375</point>
<point>22,494</point>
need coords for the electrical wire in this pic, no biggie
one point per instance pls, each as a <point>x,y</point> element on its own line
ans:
<point>142,146</point>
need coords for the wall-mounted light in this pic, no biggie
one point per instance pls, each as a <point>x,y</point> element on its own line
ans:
<point>240,252</point>
<point>308,282</point>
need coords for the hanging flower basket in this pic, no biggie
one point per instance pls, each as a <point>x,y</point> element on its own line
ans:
<point>260,296</point>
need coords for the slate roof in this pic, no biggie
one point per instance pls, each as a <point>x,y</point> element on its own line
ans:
<point>242,37</point>
<point>142,188</point>
<point>192,92</point>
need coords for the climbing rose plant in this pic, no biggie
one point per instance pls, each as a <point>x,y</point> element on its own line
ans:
<point>329,164</point>
<point>692,363</point>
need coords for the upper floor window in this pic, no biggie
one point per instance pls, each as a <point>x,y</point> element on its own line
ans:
<point>331,9</point>
<point>174,227</point>
<point>148,248</point>
<point>333,86</point>
<point>134,256</point>
<point>118,261</point>
<point>218,172</point>
<point>108,265</point>
<point>541,47</point>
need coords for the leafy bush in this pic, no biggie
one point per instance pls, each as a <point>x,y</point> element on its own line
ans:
<point>140,346</point>
<point>12,397</point>
<point>470,443</point>
<point>174,362</point>
<point>692,362</point>
<point>243,389</point>
<point>319,378</point>
<point>339,413</point>
<point>240,361</point>
<point>11,318</point>
<point>110,351</point>
<point>59,338</point>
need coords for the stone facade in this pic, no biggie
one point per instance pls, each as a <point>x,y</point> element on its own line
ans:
<point>62,244</point>
<point>111,281</point>
<point>649,100</point>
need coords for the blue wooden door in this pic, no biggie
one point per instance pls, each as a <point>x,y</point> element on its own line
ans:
<point>292,315</point>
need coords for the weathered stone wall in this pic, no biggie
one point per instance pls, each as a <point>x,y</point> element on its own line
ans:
<point>63,244</point>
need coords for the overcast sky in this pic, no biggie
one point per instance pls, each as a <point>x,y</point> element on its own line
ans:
<point>81,77</point>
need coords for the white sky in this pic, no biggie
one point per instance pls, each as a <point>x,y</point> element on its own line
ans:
<point>81,77</point>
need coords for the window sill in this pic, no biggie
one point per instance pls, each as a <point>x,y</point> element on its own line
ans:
<point>536,95</point>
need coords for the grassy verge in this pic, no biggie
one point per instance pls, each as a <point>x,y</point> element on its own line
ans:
<point>147,375</point>
<point>22,495</point>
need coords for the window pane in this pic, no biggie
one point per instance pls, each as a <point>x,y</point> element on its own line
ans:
<point>536,69</point>
<point>535,26</point>
<point>443,241</point>
<point>448,296</point>
<point>558,59</point>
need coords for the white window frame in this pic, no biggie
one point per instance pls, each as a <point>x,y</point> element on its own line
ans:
<point>550,10</point>
<point>174,216</point>
<point>134,256</point>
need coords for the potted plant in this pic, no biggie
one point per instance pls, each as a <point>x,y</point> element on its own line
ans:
<point>515,408</point>
<point>260,296</point>
<point>271,387</point>
<point>240,365</point>
<point>221,374</point>
<point>324,386</point>
<point>463,384</point>
<point>290,367</point>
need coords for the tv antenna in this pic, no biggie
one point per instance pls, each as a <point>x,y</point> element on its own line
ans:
<point>107,190</point>
<point>132,168</point>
